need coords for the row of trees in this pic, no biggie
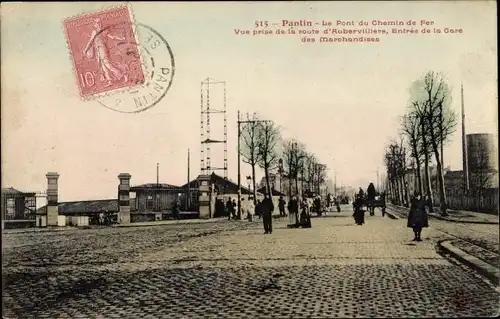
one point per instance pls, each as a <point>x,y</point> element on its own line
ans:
<point>428,124</point>
<point>263,147</point>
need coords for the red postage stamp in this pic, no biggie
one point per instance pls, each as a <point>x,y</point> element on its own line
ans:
<point>104,50</point>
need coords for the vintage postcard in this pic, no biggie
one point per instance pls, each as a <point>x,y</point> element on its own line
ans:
<point>250,159</point>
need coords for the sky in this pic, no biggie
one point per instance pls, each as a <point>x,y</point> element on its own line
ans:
<point>342,100</point>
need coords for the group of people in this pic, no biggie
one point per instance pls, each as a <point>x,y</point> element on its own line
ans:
<point>417,216</point>
<point>228,209</point>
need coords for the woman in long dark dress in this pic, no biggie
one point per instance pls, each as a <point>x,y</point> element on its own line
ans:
<point>417,217</point>
<point>359,213</point>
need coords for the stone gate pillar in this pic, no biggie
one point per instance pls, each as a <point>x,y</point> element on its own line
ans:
<point>52,199</point>
<point>124,198</point>
<point>205,194</point>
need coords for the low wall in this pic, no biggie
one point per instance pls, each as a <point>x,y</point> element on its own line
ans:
<point>149,217</point>
<point>11,224</point>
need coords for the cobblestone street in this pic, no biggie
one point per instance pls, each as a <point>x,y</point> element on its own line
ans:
<point>231,269</point>
<point>479,240</point>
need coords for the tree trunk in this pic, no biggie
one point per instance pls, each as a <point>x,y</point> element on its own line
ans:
<point>430,200</point>
<point>393,189</point>
<point>389,188</point>
<point>268,184</point>
<point>297,185</point>
<point>440,177</point>
<point>405,190</point>
<point>400,191</point>
<point>253,185</point>
<point>396,190</point>
<point>419,177</point>
<point>419,164</point>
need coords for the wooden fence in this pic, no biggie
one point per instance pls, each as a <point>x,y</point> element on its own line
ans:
<point>486,201</point>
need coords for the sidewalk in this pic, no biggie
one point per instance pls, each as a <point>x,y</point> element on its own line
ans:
<point>458,216</point>
<point>173,222</point>
<point>461,216</point>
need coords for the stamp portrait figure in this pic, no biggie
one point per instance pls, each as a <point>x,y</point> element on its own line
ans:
<point>105,51</point>
<point>97,48</point>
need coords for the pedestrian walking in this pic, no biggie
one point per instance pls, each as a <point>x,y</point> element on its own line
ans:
<point>267,208</point>
<point>249,209</point>
<point>235,208</point>
<point>175,211</point>
<point>417,217</point>
<point>293,210</point>
<point>258,210</point>
<point>359,213</point>
<point>305,214</point>
<point>230,208</point>
<point>281,205</point>
<point>101,218</point>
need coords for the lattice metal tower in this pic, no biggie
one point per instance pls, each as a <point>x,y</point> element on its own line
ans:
<point>207,111</point>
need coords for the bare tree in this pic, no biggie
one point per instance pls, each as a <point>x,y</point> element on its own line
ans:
<point>418,109</point>
<point>411,129</point>
<point>403,167</point>
<point>249,150</point>
<point>309,170</point>
<point>396,165</point>
<point>294,154</point>
<point>267,148</point>
<point>439,120</point>
<point>320,176</point>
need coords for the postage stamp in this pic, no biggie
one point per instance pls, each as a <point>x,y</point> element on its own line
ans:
<point>159,68</point>
<point>125,66</point>
<point>102,63</point>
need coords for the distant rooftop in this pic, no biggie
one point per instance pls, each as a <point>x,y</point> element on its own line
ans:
<point>153,186</point>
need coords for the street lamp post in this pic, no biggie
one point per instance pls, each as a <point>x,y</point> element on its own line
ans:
<point>280,170</point>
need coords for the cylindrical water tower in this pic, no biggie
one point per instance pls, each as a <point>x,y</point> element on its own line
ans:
<point>482,152</point>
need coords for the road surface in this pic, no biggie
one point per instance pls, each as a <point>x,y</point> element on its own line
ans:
<point>231,269</point>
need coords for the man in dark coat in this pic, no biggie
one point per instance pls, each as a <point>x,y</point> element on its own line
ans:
<point>175,211</point>
<point>267,208</point>
<point>230,208</point>
<point>258,209</point>
<point>219,208</point>
<point>281,206</point>
<point>417,217</point>
<point>361,193</point>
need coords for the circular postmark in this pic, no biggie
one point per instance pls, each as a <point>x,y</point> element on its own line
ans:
<point>150,69</point>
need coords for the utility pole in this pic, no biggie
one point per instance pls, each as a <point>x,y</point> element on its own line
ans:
<point>464,146</point>
<point>335,182</point>
<point>157,174</point>
<point>239,168</point>
<point>188,199</point>
<point>441,118</point>
<point>157,186</point>
<point>239,158</point>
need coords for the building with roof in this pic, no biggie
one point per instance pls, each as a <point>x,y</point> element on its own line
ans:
<point>18,208</point>
<point>224,188</point>
<point>155,197</point>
